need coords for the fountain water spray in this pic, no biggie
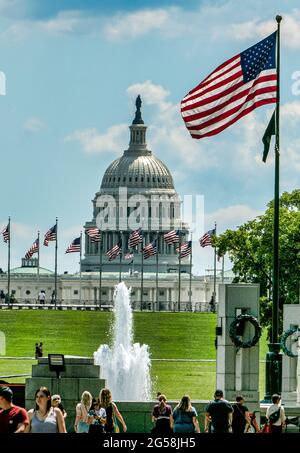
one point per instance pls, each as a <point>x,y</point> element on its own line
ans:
<point>125,366</point>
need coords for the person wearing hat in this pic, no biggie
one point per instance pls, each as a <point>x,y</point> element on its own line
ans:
<point>218,414</point>
<point>13,419</point>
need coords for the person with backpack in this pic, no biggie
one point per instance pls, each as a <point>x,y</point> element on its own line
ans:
<point>275,415</point>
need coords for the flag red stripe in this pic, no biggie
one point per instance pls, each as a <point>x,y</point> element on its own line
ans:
<point>229,123</point>
<point>216,97</point>
<point>216,118</point>
<point>223,65</point>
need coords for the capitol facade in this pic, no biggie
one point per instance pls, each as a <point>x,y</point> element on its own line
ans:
<point>136,193</point>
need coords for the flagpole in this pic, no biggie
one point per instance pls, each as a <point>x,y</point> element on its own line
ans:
<point>38,268</point>
<point>120,261</point>
<point>191,264</point>
<point>142,272</point>
<point>215,268</point>
<point>223,259</point>
<point>55,269</point>
<point>274,359</point>
<point>80,267</point>
<point>8,259</point>
<point>156,292</point>
<point>179,271</point>
<point>100,271</point>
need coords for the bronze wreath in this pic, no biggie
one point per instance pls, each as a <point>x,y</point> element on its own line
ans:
<point>236,338</point>
<point>283,339</point>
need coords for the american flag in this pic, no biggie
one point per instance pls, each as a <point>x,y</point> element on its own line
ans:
<point>5,233</point>
<point>94,233</point>
<point>74,246</point>
<point>171,237</point>
<point>185,249</point>
<point>114,251</point>
<point>128,256</point>
<point>150,249</point>
<point>206,238</point>
<point>135,238</point>
<point>33,249</point>
<point>50,235</point>
<point>244,82</point>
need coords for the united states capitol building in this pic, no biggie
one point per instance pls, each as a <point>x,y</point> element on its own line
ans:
<point>136,189</point>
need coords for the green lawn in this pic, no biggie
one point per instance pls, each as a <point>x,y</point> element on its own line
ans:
<point>169,336</point>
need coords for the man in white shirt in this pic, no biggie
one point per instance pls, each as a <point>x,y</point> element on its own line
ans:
<point>277,411</point>
<point>42,297</point>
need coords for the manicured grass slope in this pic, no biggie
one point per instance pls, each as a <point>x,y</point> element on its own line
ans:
<point>169,336</point>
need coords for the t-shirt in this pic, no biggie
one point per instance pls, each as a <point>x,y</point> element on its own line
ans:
<point>10,419</point>
<point>183,420</point>
<point>238,418</point>
<point>274,408</point>
<point>219,410</point>
<point>158,413</point>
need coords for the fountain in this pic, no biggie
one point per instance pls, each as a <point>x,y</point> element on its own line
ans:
<point>125,366</point>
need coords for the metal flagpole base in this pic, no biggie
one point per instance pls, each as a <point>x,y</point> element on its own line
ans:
<point>273,372</point>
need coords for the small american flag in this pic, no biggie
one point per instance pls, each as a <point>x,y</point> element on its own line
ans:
<point>114,251</point>
<point>150,249</point>
<point>50,235</point>
<point>75,246</point>
<point>172,237</point>
<point>244,82</point>
<point>185,249</point>
<point>33,249</point>
<point>128,256</point>
<point>135,238</point>
<point>205,240</point>
<point>5,233</point>
<point>94,233</point>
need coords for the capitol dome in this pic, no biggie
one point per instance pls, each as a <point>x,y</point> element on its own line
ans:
<point>139,171</point>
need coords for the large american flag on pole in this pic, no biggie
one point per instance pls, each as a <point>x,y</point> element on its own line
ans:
<point>150,249</point>
<point>185,249</point>
<point>33,249</point>
<point>205,240</point>
<point>171,237</point>
<point>114,251</point>
<point>135,238</point>
<point>244,82</point>
<point>74,246</point>
<point>50,235</point>
<point>5,233</point>
<point>94,233</point>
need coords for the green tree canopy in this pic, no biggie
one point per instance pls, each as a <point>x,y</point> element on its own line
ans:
<point>250,249</point>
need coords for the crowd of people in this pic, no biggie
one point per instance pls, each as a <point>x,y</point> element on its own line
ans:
<point>101,415</point>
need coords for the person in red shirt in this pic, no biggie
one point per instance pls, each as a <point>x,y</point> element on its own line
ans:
<point>13,419</point>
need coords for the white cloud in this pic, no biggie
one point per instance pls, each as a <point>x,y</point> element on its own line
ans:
<point>290,28</point>
<point>150,93</point>
<point>93,142</point>
<point>33,124</point>
<point>231,216</point>
<point>132,25</point>
<point>64,22</point>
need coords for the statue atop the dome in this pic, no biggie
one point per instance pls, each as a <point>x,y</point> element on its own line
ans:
<point>138,114</point>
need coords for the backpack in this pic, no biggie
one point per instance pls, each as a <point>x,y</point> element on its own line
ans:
<point>274,417</point>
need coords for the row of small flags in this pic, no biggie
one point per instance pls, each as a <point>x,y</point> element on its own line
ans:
<point>135,238</point>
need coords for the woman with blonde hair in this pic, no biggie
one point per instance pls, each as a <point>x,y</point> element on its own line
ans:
<point>44,418</point>
<point>112,412</point>
<point>82,420</point>
<point>184,418</point>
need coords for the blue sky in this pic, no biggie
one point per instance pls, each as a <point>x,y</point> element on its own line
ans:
<point>73,69</point>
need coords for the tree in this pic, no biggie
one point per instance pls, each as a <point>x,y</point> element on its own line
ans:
<point>250,249</point>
